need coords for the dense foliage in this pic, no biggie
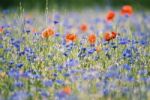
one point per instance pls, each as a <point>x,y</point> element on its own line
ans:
<point>72,3</point>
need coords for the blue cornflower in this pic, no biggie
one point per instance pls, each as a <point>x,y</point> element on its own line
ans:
<point>19,84</point>
<point>44,93</point>
<point>105,92</point>
<point>7,33</point>
<point>130,78</point>
<point>66,53</point>
<point>57,34</point>
<point>91,51</point>
<point>60,95</point>
<point>48,83</point>
<point>6,26</point>
<point>112,74</point>
<point>29,21</point>
<point>56,22</point>
<point>113,68</point>
<point>12,40</point>
<point>20,95</point>
<point>27,31</point>
<point>142,72</point>
<point>123,41</point>
<point>72,63</point>
<point>14,73</point>
<point>21,53</point>
<point>36,76</point>
<point>127,53</point>
<point>69,48</point>
<point>61,82</point>
<point>134,41</point>
<point>127,67</point>
<point>66,74</point>
<point>145,79</point>
<point>6,11</point>
<point>60,68</point>
<point>16,44</point>
<point>1,46</point>
<point>26,74</point>
<point>55,74</point>
<point>19,65</point>
<point>143,42</point>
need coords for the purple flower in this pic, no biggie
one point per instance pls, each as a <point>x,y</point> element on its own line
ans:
<point>6,11</point>
<point>66,53</point>
<point>123,41</point>
<point>144,79</point>
<point>57,34</point>
<point>127,67</point>
<point>60,82</point>
<point>72,63</point>
<point>26,74</point>
<point>48,83</point>
<point>91,51</point>
<point>66,74</point>
<point>56,22</point>
<point>60,68</point>
<point>60,95</point>
<point>20,95</point>
<point>130,78</point>
<point>11,62</point>
<point>142,72</point>
<point>55,74</point>
<point>127,53</point>
<point>112,74</point>
<point>21,53</point>
<point>1,46</point>
<point>36,76</point>
<point>143,42</point>
<point>14,73</point>
<point>29,21</point>
<point>19,84</point>
<point>44,93</point>
<point>105,92</point>
<point>19,65</point>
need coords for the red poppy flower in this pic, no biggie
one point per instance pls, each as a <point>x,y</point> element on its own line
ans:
<point>84,27</point>
<point>114,34</point>
<point>110,15</point>
<point>109,36</point>
<point>92,38</point>
<point>67,90</point>
<point>127,9</point>
<point>48,32</point>
<point>1,29</point>
<point>71,37</point>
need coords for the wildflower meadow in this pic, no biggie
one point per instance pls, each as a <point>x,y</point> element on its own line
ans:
<point>91,54</point>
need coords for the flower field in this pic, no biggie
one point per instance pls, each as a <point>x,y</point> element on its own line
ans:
<point>101,54</point>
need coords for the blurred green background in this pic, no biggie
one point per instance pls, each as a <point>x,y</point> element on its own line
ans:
<point>71,4</point>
